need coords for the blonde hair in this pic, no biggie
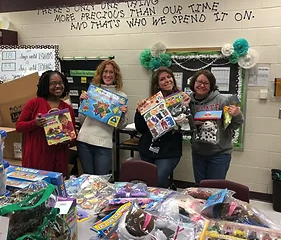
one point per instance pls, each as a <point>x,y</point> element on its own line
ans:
<point>97,80</point>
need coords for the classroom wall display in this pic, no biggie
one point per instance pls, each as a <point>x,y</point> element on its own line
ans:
<point>230,77</point>
<point>21,60</point>
<point>103,105</point>
<point>79,72</point>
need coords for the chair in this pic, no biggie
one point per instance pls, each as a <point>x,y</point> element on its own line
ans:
<point>137,170</point>
<point>242,192</point>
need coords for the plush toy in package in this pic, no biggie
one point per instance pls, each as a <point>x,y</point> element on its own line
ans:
<point>158,119</point>
<point>59,127</point>
<point>103,105</point>
<point>233,100</point>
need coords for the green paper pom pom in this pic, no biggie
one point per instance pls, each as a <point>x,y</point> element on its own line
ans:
<point>145,58</point>
<point>165,60</point>
<point>241,46</point>
<point>155,63</point>
<point>233,58</point>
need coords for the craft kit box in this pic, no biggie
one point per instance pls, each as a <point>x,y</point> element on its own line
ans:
<point>103,105</point>
<point>68,212</point>
<point>32,175</point>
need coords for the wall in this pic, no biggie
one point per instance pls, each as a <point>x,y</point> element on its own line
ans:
<point>125,29</point>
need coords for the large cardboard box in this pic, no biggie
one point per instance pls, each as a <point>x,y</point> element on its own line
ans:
<point>13,95</point>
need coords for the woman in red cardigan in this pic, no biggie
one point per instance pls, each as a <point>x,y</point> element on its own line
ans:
<point>37,154</point>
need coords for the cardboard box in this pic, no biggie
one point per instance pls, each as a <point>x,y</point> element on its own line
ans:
<point>32,175</point>
<point>13,144</point>
<point>68,212</point>
<point>13,96</point>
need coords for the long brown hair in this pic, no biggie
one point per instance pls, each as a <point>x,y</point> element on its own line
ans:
<point>155,80</point>
<point>97,80</point>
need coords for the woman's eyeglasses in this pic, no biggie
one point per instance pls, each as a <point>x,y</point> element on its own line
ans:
<point>202,83</point>
<point>54,84</point>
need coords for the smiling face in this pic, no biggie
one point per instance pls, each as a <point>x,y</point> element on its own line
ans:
<point>108,75</point>
<point>201,86</point>
<point>166,82</point>
<point>56,85</point>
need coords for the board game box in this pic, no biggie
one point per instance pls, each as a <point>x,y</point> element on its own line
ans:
<point>103,105</point>
<point>155,112</point>
<point>208,115</point>
<point>59,127</point>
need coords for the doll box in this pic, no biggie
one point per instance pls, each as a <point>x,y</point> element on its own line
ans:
<point>208,115</point>
<point>32,175</point>
<point>59,127</point>
<point>103,105</point>
<point>68,212</point>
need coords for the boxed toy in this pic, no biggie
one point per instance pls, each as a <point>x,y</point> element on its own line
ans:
<point>33,175</point>
<point>68,212</point>
<point>158,119</point>
<point>103,105</point>
<point>208,115</point>
<point>59,127</point>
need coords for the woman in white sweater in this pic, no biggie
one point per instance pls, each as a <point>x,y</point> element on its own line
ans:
<point>95,138</point>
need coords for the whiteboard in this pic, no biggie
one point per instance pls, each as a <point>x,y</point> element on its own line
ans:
<point>18,61</point>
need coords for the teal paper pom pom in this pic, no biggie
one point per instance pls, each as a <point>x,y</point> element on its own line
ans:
<point>145,58</point>
<point>155,63</point>
<point>165,60</point>
<point>241,46</point>
<point>233,58</point>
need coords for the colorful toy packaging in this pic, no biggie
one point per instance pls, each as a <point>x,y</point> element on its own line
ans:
<point>59,127</point>
<point>229,230</point>
<point>233,100</point>
<point>158,119</point>
<point>103,105</point>
<point>15,173</point>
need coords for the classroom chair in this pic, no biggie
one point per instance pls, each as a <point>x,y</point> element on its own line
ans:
<point>137,170</point>
<point>242,192</point>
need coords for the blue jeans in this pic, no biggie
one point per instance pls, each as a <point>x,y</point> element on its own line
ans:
<point>95,160</point>
<point>213,167</point>
<point>165,168</point>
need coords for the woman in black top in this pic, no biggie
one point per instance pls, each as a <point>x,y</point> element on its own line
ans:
<point>166,151</point>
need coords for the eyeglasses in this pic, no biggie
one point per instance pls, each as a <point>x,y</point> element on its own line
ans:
<point>202,83</point>
<point>54,84</point>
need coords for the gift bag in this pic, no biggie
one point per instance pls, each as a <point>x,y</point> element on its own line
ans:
<point>27,215</point>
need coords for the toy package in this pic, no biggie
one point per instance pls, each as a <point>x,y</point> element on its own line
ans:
<point>228,230</point>
<point>59,127</point>
<point>158,119</point>
<point>203,193</point>
<point>103,105</point>
<point>233,100</point>
<point>15,173</point>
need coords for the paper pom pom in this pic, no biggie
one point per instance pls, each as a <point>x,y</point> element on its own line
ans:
<point>155,63</point>
<point>249,60</point>
<point>227,49</point>
<point>233,58</point>
<point>241,46</point>
<point>165,60</point>
<point>145,58</point>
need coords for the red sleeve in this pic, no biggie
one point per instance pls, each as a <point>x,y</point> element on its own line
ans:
<point>25,122</point>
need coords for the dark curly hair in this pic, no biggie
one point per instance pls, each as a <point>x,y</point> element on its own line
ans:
<point>44,81</point>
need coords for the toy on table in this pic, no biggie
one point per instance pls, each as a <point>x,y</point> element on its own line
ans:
<point>3,135</point>
<point>204,193</point>
<point>129,190</point>
<point>3,166</point>
<point>216,229</point>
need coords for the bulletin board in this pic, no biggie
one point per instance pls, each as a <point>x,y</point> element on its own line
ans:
<point>79,72</point>
<point>20,60</point>
<point>230,77</point>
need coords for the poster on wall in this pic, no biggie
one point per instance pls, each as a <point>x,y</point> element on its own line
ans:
<point>19,61</point>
